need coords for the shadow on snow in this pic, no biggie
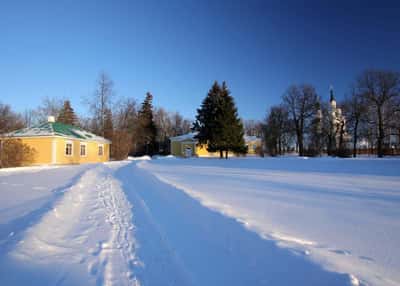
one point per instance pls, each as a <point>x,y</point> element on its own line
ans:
<point>180,242</point>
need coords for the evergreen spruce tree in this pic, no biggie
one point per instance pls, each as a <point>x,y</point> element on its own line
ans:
<point>218,124</point>
<point>206,123</point>
<point>67,114</point>
<point>147,130</point>
<point>230,136</point>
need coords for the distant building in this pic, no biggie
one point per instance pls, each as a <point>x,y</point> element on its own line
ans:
<point>187,146</point>
<point>338,124</point>
<point>58,143</point>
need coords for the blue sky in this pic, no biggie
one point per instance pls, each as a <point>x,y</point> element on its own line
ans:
<point>176,49</point>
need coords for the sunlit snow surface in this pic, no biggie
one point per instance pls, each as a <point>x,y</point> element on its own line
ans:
<point>344,213</point>
<point>250,221</point>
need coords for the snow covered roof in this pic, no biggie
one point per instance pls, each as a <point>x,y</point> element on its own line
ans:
<point>57,129</point>
<point>190,136</point>
<point>248,138</point>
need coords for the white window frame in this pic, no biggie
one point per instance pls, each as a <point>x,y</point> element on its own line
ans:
<point>65,148</point>
<point>80,149</point>
<point>102,149</point>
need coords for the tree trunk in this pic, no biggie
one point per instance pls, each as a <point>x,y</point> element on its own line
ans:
<point>301,147</point>
<point>226,154</point>
<point>380,133</point>
<point>280,145</point>
<point>221,154</point>
<point>355,138</point>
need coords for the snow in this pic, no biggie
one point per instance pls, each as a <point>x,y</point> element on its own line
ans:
<point>343,213</point>
<point>83,235</point>
<point>248,138</point>
<point>139,158</point>
<point>188,136</point>
<point>249,221</point>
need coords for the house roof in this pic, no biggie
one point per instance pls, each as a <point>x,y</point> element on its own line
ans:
<point>248,138</point>
<point>188,136</point>
<point>57,129</point>
<point>191,136</point>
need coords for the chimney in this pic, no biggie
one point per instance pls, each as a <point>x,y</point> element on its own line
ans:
<point>51,119</point>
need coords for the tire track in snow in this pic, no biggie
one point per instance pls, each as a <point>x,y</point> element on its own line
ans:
<point>86,236</point>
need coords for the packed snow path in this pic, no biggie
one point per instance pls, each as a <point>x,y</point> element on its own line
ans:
<point>200,222</point>
<point>83,237</point>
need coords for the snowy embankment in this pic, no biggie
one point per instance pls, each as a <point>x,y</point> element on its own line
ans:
<point>344,214</point>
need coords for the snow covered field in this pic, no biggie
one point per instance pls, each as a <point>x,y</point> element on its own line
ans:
<point>275,221</point>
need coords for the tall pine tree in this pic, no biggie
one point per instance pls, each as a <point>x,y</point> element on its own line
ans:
<point>67,114</point>
<point>146,129</point>
<point>206,123</point>
<point>231,128</point>
<point>218,124</point>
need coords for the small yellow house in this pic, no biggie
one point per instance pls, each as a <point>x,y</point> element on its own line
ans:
<point>253,143</point>
<point>58,143</point>
<point>187,146</point>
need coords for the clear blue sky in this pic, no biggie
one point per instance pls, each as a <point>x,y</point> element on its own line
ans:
<point>176,49</point>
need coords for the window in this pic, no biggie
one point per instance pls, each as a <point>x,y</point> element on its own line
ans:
<point>83,149</point>
<point>68,149</point>
<point>100,150</point>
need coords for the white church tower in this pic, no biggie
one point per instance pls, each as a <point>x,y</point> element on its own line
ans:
<point>338,122</point>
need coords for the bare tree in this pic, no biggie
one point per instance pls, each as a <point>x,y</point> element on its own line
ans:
<point>316,132</point>
<point>124,120</point>
<point>277,130</point>
<point>100,102</point>
<point>9,120</point>
<point>169,124</point>
<point>300,102</point>
<point>28,117</point>
<point>381,90</point>
<point>125,114</point>
<point>355,111</point>
<point>50,106</point>
<point>253,127</point>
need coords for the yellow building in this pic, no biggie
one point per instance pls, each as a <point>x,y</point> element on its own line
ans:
<point>58,143</point>
<point>187,146</point>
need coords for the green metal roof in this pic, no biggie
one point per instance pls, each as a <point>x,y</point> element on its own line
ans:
<point>57,129</point>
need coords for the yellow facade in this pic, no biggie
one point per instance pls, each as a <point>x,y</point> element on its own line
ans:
<point>253,146</point>
<point>42,148</point>
<point>52,150</point>
<point>179,149</point>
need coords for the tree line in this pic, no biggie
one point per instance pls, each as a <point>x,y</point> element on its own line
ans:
<point>301,123</point>
<point>370,111</point>
<point>134,129</point>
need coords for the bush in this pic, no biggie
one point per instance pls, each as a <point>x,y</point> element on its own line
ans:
<point>259,151</point>
<point>121,145</point>
<point>14,153</point>
<point>344,153</point>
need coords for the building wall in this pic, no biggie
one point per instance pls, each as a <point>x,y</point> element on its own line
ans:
<point>91,152</point>
<point>45,154</point>
<point>42,147</point>
<point>178,149</point>
<point>252,146</point>
<point>201,151</point>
